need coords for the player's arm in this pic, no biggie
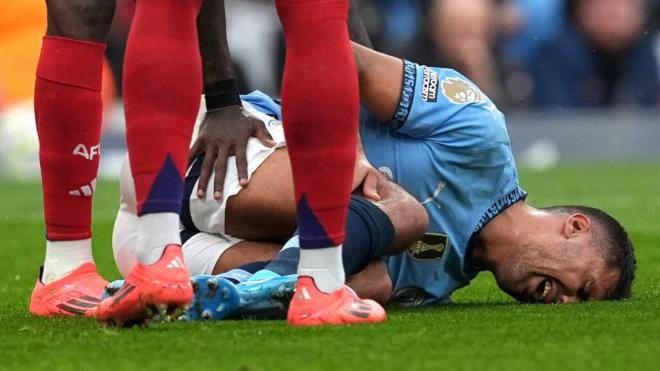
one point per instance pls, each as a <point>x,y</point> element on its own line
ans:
<point>227,127</point>
<point>381,80</point>
<point>380,75</point>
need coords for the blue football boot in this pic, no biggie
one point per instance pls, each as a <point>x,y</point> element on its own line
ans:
<point>215,298</point>
<point>266,299</point>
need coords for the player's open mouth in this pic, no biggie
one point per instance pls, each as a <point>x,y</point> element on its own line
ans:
<point>541,291</point>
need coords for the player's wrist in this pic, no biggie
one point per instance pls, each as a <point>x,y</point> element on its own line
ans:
<point>220,94</point>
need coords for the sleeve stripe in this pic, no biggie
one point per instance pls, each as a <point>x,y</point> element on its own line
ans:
<point>407,95</point>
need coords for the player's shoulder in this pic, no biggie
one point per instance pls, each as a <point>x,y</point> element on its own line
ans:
<point>449,108</point>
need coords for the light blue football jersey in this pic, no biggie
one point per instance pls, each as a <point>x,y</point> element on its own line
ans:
<point>447,146</point>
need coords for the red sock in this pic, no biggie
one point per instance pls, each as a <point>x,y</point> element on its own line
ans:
<point>162,90</point>
<point>320,107</point>
<point>68,110</point>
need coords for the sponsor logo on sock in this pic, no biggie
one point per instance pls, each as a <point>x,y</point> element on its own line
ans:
<point>85,191</point>
<point>88,154</point>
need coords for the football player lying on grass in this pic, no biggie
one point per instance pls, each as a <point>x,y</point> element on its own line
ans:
<point>439,137</point>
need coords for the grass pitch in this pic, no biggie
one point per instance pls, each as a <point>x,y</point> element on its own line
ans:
<point>484,329</point>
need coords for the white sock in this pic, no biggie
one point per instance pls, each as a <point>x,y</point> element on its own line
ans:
<point>63,257</point>
<point>324,266</point>
<point>155,232</point>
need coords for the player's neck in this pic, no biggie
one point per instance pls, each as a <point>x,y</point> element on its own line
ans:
<point>512,229</point>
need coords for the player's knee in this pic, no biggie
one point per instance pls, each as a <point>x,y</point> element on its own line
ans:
<point>408,216</point>
<point>80,19</point>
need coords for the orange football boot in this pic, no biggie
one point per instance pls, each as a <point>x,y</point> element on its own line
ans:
<point>312,307</point>
<point>76,294</point>
<point>160,289</point>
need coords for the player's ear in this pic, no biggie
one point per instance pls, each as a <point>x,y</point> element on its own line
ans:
<point>576,224</point>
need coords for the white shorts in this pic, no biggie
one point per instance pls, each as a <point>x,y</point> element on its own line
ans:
<point>202,250</point>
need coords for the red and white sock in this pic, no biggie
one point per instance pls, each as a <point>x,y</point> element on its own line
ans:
<point>162,89</point>
<point>320,123</point>
<point>68,111</point>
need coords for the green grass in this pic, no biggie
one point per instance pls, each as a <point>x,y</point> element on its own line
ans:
<point>482,330</point>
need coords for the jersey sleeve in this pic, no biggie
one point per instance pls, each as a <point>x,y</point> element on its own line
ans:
<point>431,100</point>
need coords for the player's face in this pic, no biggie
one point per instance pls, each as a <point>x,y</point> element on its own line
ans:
<point>557,272</point>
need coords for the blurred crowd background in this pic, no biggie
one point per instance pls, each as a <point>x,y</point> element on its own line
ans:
<point>548,56</point>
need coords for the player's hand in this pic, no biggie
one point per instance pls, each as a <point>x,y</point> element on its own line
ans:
<point>371,183</point>
<point>223,133</point>
<point>366,176</point>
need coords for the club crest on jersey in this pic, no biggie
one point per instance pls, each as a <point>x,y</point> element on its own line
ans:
<point>432,246</point>
<point>430,85</point>
<point>460,91</point>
